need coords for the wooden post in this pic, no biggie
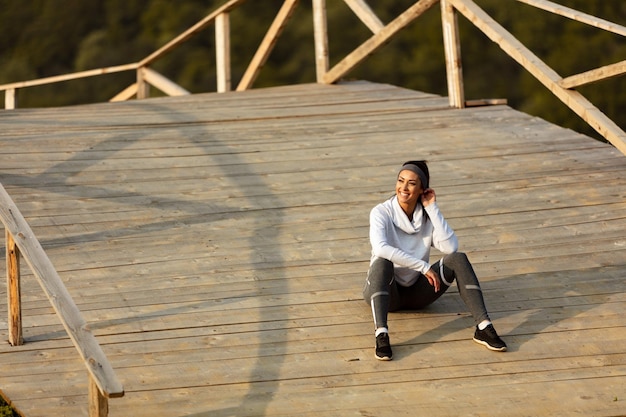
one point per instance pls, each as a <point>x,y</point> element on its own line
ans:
<point>98,403</point>
<point>10,99</point>
<point>143,88</point>
<point>14,291</point>
<point>452,46</point>
<point>321,39</point>
<point>222,52</point>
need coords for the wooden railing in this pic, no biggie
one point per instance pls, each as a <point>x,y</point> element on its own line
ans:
<point>562,88</point>
<point>21,242</point>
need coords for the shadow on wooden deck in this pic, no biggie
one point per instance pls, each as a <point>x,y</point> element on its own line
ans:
<point>217,245</point>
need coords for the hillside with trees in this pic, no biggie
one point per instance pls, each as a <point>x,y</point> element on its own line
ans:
<point>43,38</point>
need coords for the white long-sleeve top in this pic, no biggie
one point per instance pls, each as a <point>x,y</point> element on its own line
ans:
<point>407,243</point>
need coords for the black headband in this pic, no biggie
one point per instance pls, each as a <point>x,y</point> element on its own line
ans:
<point>414,168</point>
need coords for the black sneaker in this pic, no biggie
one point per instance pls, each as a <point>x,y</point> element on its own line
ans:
<point>383,347</point>
<point>490,339</point>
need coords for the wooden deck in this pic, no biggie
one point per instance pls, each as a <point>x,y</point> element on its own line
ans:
<point>217,245</point>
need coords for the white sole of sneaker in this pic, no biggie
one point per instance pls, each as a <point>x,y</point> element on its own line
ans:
<point>488,346</point>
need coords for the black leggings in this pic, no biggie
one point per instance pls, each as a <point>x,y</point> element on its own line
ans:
<point>384,294</point>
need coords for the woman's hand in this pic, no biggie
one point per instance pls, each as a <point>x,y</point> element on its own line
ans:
<point>433,279</point>
<point>428,197</point>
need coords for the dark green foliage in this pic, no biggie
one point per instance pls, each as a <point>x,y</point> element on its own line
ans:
<point>42,39</point>
<point>6,410</point>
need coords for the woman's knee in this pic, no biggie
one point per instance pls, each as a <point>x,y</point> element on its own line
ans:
<point>381,268</point>
<point>457,258</point>
<point>379,276</point>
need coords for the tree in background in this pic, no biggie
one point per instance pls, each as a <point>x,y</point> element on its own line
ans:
<point>40,39</point>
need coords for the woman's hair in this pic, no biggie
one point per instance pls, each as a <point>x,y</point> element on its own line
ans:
<point>423,167</point>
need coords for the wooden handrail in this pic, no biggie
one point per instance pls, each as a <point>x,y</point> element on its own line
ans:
<point>22,243</point>
<point>69,77</point>
<point>198,27</point>
<point>570,13</point>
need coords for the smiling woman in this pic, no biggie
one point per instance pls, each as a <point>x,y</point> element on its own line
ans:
<point>402,231</point>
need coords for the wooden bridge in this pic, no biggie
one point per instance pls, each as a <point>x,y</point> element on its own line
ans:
<point>215,244</point>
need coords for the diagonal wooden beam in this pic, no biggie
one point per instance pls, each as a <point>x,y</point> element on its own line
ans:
<point>363,11</point>
<point>598,74</point>
<point>162,83</point>
<point>542,72</point>
<point>183,37</point>
<point>372,44</point>
<point>579,16</point>
<point>267,44</point>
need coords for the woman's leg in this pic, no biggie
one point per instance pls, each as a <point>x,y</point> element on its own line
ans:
<point>457,266</point>
<point>378,290</point>
<point>380,293</point>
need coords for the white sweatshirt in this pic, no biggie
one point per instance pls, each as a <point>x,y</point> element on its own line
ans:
<point>407,244</point>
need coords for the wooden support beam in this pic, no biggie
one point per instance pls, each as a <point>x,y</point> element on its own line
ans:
<point>542,72</point>
<point>376,41</point>
<point>363,11</point>
<point>98,403</point>
<point>162,83</point>
<point>126,94</point>
<point>222,52</point>
<point>264,50</point>
<point>143,88</point>
<point>320,26</point>
<point>10,98</point>
<point>14,294</point>
<point>598,74</point>
<point>452,47</point>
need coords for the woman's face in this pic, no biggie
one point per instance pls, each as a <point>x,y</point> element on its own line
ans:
<point>408,189</point>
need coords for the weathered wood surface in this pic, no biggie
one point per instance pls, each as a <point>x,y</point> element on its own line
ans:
<point>217,245</point>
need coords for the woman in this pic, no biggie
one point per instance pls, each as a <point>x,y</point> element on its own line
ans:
<point>402,230</point>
